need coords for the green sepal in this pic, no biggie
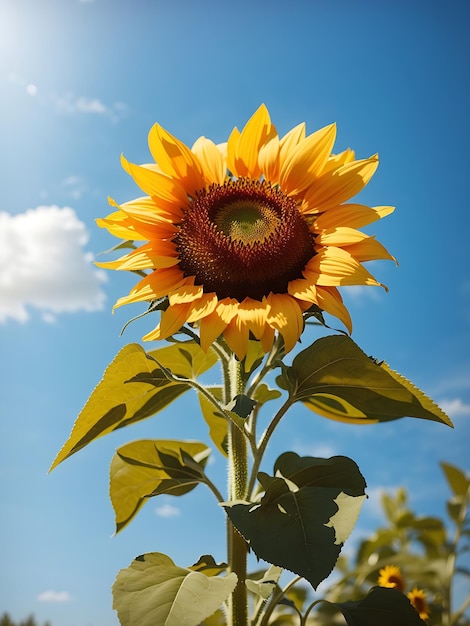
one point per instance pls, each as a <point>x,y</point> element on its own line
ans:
<point>135,387</point>
<point>147,468</point>
<point>153,590</point>
<point>308,510</point>
<point>335,378</point>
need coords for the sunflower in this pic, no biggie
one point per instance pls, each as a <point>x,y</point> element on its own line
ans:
<point>390,576</point>
<point>417,597</point>
<point>241,239</point>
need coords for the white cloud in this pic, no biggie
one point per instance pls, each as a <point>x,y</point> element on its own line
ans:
<point>54,596</point>
<point>167,510</point>
<point>320,450</point>
<point>70,104</point>
<point>44,265</point>
<point>455,407</point>
<point>74,186</point>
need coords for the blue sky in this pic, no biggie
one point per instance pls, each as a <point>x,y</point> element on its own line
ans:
<point>83,81</point>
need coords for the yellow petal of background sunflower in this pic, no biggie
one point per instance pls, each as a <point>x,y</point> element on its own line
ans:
<point>176,159</point>
<point>338,185</point>
<point>211,160</point>
<point>285,316</point>
<point>306,160</point>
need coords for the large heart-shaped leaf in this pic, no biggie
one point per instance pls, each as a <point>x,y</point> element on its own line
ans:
<point>335,378</point>
<point>308,510</point>
<point>381,606</point>
<point>151,467</point>
<point>134,387</point>
<point>153,590</point>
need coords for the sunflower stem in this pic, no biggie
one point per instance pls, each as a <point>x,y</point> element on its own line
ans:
<point>237,486</point>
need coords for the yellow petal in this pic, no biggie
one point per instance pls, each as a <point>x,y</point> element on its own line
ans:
<point>267,338</point>
<point>147,210</point>
<point>155,184</point>
<point>285,316</point>
<point>252,313</point>
<point>186,293</point>
<point>156,285</point>
<point>211,160</point>
<point>327,298</point>
<point>352,215</point>
<point>119,225</point>
<point>174,318</point>
<point>370,250</point>
<point>291,139</point>
<point>243,150</point>
<point>176,159</point>
<point>231,150</point>
<point>214,324</point>
<point>341,236</point>
<point>338,185</point>
<point>305,161</point>
<point>332,267</point>
<point>202,307</point>
<point>269,159</point>
<point>236,335</point>
<point>152,255</point>
<point>361,246</point>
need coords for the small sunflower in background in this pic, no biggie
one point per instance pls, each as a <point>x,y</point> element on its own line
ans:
<point>243,238</point>
<point>390,576</point>
<point>417,597</point>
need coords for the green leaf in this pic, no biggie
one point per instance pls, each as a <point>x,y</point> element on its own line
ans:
<point>457,480</point>
<point>207,564</point>
<point>215,419</point>
<point>263,394</point>
<point>308,510</point>
<point>381,606</point>
<point>154,591</point>
<point>186,359</point>
<point>265,586</point>
<point>146,468</point>
<point>335,378</point>
<point>133,388</point>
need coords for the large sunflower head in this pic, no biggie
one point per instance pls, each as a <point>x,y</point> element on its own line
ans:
<point>242,238</point>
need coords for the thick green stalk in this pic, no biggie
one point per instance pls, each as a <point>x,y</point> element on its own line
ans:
<point>237,478</point>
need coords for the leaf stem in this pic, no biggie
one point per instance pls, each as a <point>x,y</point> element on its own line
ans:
<point>264,442</point>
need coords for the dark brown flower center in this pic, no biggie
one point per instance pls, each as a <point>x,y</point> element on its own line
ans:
<point>243,239</point>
